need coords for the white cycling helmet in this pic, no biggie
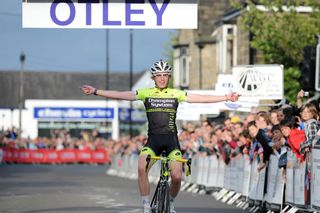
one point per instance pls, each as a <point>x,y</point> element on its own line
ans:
<point>161,67</point>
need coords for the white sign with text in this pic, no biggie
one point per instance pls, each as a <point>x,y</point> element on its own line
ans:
<point>129,14</point>
<point>262,82</point>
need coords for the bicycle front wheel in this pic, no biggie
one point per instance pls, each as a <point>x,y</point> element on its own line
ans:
<point>164,202</point>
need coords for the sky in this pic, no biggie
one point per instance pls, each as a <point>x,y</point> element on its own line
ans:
<point>74,50</point>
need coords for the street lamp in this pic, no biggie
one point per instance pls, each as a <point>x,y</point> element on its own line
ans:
<point>21,78</point>
<point>107,60</point>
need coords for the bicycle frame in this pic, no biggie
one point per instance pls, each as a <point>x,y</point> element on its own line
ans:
<point>161,200</point>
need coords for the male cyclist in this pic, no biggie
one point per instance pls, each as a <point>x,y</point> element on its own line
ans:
<point>161,105</point>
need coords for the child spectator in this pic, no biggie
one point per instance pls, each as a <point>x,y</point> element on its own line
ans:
<point>279,147</point>
<point>294,136</point>
<point>260,136</point>
<point>309,116</point>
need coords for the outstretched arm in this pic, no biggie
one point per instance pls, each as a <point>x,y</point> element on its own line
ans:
<point>196,98</point>
<point>126,95</point>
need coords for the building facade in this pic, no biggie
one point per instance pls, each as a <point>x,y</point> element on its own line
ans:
<point>219,43</point>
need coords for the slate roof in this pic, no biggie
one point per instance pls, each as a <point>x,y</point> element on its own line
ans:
<point>57,85</point>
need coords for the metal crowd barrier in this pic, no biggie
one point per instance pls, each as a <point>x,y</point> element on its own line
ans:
<point>239,183</point>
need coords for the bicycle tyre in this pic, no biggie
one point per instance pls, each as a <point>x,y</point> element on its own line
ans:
<point>167,198</point>
<point>161,198</point>
<point>157,199</point>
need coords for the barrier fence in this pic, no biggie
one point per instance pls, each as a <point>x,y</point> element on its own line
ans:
<point>239,183</point>
<point>10,155</point>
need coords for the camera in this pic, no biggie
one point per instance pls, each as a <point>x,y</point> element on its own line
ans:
<point>306,94</point>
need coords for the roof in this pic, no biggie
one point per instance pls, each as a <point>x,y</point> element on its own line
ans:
<point>57,85</point>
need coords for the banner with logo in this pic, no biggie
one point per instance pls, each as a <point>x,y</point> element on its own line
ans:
<point>148,14</point>
<point>72,113</point>
<point>263,82</point>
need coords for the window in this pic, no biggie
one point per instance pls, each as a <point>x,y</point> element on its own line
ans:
<point>226,48</point>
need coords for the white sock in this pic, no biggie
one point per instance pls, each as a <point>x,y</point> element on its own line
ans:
<point>145,199</point>
<point>172,199</point>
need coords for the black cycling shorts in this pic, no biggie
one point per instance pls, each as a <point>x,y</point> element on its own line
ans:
<point>162,142</point>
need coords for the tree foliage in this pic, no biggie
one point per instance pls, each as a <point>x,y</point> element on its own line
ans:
<point>281,32</point>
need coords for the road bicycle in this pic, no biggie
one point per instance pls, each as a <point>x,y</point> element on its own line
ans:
<point>161,200</point>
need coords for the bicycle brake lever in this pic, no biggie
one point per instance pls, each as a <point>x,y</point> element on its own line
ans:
<point>148,162</point>
<point>189,165</point>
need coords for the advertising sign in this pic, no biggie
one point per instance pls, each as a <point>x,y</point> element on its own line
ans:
<point>264,82</point>
<point>72,113</point>
<point>151,14</point>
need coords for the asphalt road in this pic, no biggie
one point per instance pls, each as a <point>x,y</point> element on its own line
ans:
<point>82,189</point>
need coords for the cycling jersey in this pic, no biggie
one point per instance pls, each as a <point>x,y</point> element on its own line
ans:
<point>161,108</point>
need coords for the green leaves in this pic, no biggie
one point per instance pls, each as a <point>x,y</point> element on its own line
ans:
<point>281,32</point>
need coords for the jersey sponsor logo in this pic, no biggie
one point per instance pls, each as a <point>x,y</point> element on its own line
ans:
<point>166,103</point>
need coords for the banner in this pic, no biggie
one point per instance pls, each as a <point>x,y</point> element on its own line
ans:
<point>61,113</point>
<point>246,175</point>
<point>213,171</point>
<point>262,82</point>
<point>275,186</point>
<point>291,162</point>
<point>299,184</point>
<point>129,14</point>
<point>53,156</point>
<point>221,171</point>
<point>257,182</point>
<point>315,179</point>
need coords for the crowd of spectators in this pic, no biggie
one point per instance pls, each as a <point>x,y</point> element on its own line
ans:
<point>258,134</point>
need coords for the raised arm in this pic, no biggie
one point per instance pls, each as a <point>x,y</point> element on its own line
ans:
<point>197,98</point>
<point>125,95</point>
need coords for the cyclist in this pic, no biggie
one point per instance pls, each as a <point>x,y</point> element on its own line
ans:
<point>161,105</point>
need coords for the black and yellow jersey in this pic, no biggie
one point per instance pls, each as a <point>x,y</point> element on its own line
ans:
<point>161,108</point>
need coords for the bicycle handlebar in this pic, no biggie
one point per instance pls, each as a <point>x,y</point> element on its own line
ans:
<point>187,161</point>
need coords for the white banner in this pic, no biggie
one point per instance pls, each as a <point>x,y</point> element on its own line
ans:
<point>213,171</point>
<point>240,174</point>
<point>291,162</point>
<point>246,176</point>
<point>315,192</point>
<point>299,177</point>
<point>227,177</point>
<point>262,82</point>
<point>257,182</point>
<point>275,186</point>
<point>221,171</point>
<point>205,173</point>
<point>129,14</point>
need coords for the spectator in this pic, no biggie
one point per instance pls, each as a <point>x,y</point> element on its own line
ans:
<point>273,117</point>
<point>279,146</point>
<point>260,136</point>
<point>11,134</point>
<point>309,117</point>
<point>294,137</point>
